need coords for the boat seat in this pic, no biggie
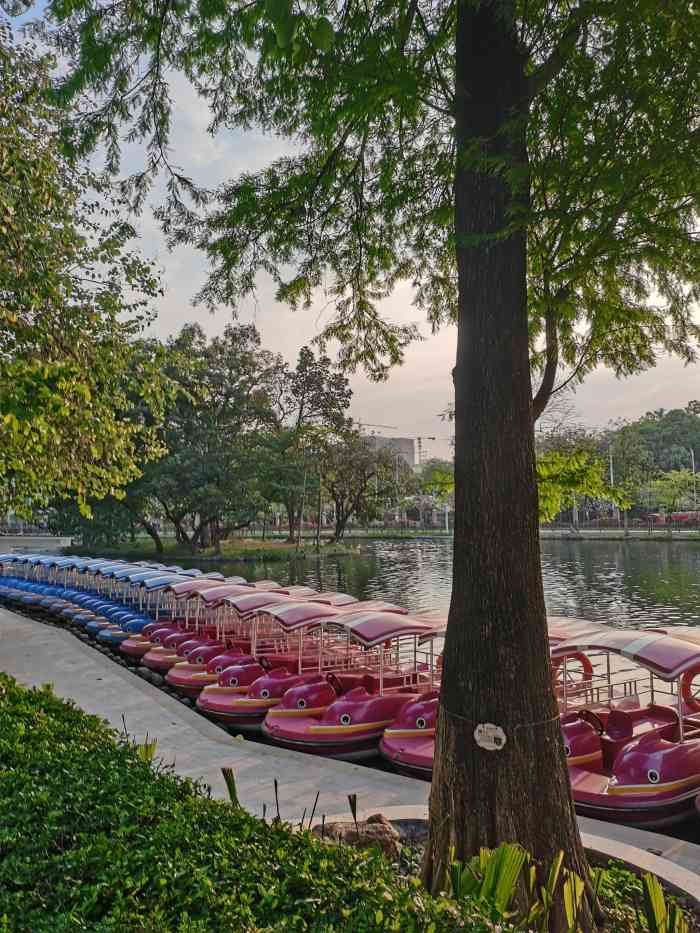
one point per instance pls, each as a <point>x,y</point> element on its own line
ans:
<point>623,725</point>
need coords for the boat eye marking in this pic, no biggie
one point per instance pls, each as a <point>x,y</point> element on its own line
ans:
<point>264,693</point>
<point>653,776</point>
<point>567,751</point>
<point>301,703</point>
<point>420,723</point>
<point>233,682</point>
<point>345,719</point>
<point>218,670</point>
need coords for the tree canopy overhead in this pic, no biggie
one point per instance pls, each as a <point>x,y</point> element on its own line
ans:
<point>368,98</point>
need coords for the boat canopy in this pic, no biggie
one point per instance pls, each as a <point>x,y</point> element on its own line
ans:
<point>139,575</point>
<point>245,603</point>
<point>63,562</point>
<point>563,628</point>
<point>376,605</point>
<point>214,594</point>
<point>92,565</point>
<point>189,586</point>
<point>664,655</point>
<point>373,628</point>
<point>298,592</point>
<point>334,599</point>
<point>297,615</point>
<point>101,569</point>
<point>161,581</point>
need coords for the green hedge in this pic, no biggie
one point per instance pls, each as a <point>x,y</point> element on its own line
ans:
<point>93,838</point>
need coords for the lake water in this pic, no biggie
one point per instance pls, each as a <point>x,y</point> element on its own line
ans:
<point>626,583</point>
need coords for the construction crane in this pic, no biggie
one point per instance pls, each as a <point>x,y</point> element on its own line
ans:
<point>391,427</point>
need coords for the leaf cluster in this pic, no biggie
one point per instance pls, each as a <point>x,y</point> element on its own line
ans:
<point>73,300</point>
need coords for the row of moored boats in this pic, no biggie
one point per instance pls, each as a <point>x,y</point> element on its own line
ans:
<point>327,674</point>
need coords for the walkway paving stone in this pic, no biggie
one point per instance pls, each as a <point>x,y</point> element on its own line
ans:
<point>37,654</point>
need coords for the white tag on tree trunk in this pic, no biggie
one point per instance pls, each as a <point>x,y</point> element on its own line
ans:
<point>490,737</point>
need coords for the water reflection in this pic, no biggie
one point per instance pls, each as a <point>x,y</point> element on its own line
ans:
<point>627,583</point>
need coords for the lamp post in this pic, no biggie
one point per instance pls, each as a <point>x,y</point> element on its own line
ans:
<point>695,480</point>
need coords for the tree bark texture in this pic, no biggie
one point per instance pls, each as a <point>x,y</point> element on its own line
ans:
<point>496,659</point>
<point>152,531</point>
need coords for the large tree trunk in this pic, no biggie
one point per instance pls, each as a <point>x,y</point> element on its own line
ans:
<point>291,519</point>
<point>496,661</point>
<point>152,531</point>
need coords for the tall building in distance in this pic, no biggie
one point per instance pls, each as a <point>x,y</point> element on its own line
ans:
<point>403,446</point>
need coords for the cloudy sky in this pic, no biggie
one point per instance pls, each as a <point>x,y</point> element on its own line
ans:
<point>416,393</point>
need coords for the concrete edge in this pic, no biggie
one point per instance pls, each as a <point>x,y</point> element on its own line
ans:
<point>680,881</point>
<point>675,878</point>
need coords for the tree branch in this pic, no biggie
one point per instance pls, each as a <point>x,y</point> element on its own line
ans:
<point>539,402</point>
<point>550,68</point>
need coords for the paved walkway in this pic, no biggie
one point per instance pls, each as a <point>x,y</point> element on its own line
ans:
<point>36,654</point>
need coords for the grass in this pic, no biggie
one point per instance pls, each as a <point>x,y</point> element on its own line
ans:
<point>237,550</point>
<point>97,836</point>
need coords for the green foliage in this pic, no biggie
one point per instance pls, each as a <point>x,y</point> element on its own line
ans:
<point>95,837</point>
<point>73,300</point>
<point>661,917</point>
<point>504,885</point>
<point>568,469</point>
<point>667,437</point>
<point>205,486</point>
<point>360,478</point>
<point>437,478</point>
<point>367,200</point>
<point>311,404</point>
<point>564,477</point>
<point>673,490</point>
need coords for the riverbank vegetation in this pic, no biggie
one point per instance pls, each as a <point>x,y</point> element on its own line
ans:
<point>246,439</point>
<point>97,836</point>
<point>651,463</point>
<point>236,549</point>
<point>75,297</point>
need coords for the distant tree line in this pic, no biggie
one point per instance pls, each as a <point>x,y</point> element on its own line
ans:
<point>651,462</point>
<point>245,435</point>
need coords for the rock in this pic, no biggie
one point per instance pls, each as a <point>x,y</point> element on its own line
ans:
<point>144,672</point>
<point>157,679</point>
<point>376,830</point>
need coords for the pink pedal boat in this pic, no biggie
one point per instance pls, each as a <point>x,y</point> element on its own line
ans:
<point>392,662</point>
<point>632,736</point>
<point>240,628</point>
<point>409,742</point>
<point>630,719</point>
<point>202,631</point>
<point>291,642</point>
<point>185,610</point>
